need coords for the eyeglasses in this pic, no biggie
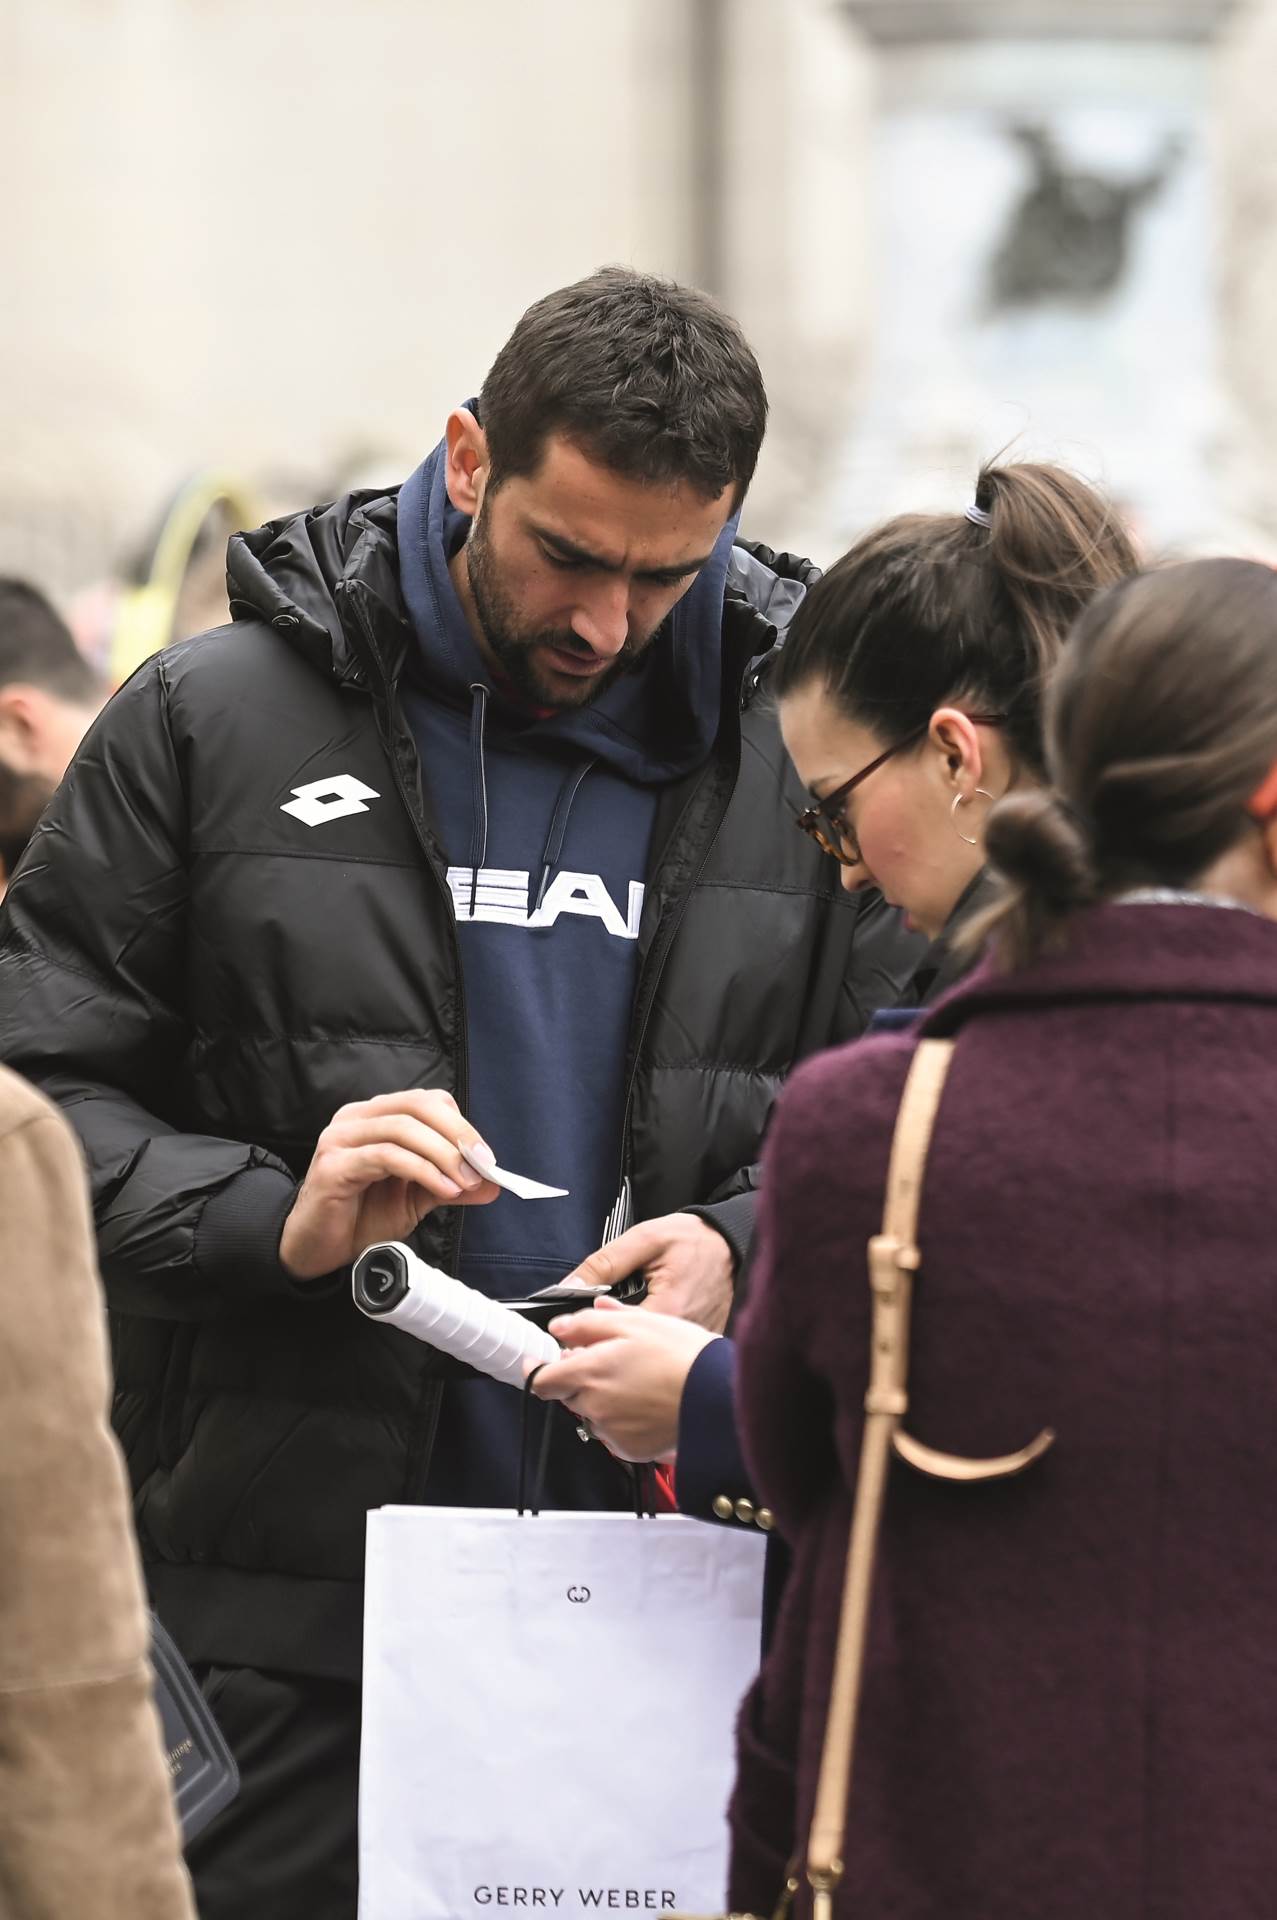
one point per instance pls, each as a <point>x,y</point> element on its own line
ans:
<point>826,821</point>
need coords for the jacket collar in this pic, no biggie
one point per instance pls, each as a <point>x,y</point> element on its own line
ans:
<point>943,964</point>
<point>1137,953</point>
<point>297,574</point>
<point>303,574</point>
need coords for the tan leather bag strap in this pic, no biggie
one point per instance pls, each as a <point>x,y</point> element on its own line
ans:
<point>893,1261</point>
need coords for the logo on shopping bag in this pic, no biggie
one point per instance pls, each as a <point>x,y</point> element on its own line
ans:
<point>578,1595</point>
<point>614,1899</point>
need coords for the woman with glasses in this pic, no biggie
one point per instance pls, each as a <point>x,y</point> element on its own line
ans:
<point>910,690</point>
<point>1069,1683</point>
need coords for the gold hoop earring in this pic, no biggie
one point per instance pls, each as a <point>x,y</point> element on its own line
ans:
<point>958,799</point>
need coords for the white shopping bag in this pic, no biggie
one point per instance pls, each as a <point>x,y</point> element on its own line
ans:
<point>548,1715</point>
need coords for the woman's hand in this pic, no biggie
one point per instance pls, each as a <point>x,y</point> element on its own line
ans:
<point>623,1372</point>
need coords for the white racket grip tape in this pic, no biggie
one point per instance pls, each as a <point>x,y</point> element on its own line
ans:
<point>391,1283</point>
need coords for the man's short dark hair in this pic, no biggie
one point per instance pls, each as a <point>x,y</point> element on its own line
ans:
<point>646,377</point>
<point>36,647</point>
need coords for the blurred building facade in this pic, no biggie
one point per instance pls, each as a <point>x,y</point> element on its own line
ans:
<point>1045,241</point>
<point>281,242</point>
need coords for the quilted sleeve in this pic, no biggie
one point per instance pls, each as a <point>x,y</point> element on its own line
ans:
<point>92,972</point>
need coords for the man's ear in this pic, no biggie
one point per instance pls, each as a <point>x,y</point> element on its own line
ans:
<point>22,713</point>
<point>467,461</point>
<point>953,737</point>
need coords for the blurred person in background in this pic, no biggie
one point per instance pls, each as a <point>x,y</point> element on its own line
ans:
<point>1069,1690</point>
<point>910,693</point>
<point>87,1825</point>
<point>49,696</point>
<point>473,830</point>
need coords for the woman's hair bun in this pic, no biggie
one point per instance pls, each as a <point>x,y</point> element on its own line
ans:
<point>1038,844</point>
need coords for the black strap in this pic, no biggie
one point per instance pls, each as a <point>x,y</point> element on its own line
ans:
<point>525,1505</point>
<point>640,1477</point>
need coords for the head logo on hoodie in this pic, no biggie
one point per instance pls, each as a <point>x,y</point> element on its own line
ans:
<point>502,896</point>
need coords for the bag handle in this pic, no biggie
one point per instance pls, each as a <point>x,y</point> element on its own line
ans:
<point>641,1474</point>
<point>893,1261</point>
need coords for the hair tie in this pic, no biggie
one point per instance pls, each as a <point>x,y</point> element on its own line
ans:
<point>1080,821</point>
<point>977,516</point>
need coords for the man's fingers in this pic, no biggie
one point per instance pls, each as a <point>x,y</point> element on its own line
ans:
<point>667,1300</point>
<point>364,1166</point>
<point>435,1107</point>
<point>412,1100</point>
<point>405,1130</point>
<point>621,1257</point>
<point>480,1196</point>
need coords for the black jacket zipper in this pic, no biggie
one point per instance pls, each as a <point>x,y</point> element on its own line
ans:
<point>425,1426</point>
<point>392,746</point>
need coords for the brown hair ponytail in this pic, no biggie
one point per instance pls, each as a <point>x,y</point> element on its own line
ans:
<point>1160,724</point>
<point>934,608</point>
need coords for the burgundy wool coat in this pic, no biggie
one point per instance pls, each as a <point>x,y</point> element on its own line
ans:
<point>1070,1705</point>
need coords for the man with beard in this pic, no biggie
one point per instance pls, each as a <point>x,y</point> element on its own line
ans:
<point>49,695</point>
<point>474,827</point>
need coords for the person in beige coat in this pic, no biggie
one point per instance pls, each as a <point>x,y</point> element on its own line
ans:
<point>87,1826</point>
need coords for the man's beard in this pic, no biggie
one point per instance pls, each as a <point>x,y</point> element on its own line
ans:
<point>23,798</point>
<point>513,646</point>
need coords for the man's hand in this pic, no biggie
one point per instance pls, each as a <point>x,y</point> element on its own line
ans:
<point>624,1373</point>
<point>379,1167</point>
<point>688,1267</point>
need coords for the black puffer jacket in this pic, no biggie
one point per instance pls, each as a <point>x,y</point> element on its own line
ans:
<point>201,982</point>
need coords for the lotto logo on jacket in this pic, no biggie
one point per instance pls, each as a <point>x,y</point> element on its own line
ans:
<point>502,895</point>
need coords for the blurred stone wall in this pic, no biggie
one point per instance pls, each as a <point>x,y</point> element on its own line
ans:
<point>797,248</point>
<point>1246,136</point>
<point>282,241</point>
<point>286,239</point>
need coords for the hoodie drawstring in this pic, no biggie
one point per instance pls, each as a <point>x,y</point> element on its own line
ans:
<point>479,792</point>
<point>558,828</point>
<point>478,789</point>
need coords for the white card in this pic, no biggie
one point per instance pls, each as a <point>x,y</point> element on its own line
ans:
<point>516,1183</point>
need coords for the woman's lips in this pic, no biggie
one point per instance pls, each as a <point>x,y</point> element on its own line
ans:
<point>581,666</point>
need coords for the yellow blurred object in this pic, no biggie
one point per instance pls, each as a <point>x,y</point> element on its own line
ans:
<point>144,619</point>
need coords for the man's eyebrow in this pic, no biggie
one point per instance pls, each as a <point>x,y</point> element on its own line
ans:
<point>569,550</point>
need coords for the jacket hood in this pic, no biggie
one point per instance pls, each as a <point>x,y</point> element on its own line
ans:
<point>651,725</point>
<point>299,574</point>
<point>293,574</point>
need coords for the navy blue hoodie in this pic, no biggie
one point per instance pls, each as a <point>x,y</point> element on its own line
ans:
<point>547,826</point>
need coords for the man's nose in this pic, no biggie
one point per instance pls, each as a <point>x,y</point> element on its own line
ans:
<point>854,879</point>
<point>603,620</point>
